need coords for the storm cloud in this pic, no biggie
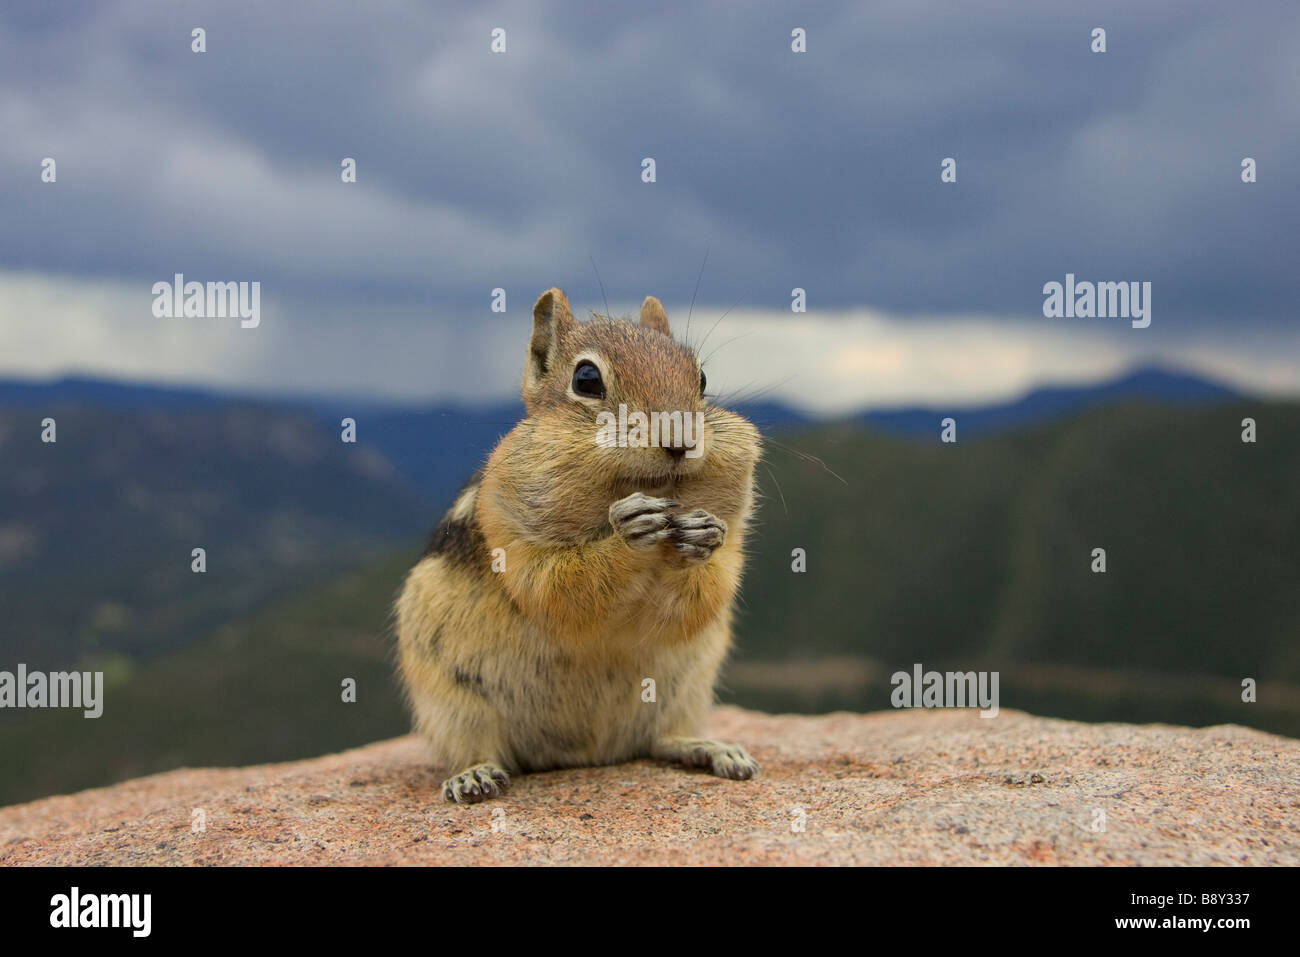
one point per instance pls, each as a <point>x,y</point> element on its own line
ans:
<point>478,170</point>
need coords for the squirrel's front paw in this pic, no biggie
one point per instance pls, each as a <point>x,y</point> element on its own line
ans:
<point>644,522</point>
<point>694,535</point>
<point>476,784</point>
<point>641,520</point>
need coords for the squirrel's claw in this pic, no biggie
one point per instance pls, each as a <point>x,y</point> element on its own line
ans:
<point>476,784</point>
<point>723,760</point>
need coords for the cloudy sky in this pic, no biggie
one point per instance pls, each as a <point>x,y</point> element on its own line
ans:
<point>818,170</point>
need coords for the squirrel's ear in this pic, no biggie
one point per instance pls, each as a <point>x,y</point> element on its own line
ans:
<point>550,316</point>
<point>653,315</point>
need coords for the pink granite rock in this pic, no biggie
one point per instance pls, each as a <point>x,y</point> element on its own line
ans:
<point>909,787</point>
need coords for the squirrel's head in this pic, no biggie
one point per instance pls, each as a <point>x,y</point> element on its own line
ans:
<point>627,398</point>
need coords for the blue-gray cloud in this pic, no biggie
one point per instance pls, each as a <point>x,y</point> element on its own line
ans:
<point>818,170</point>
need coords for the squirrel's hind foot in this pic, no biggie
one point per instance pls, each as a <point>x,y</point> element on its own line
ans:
<point>724,760</point>
<point>476,784</point>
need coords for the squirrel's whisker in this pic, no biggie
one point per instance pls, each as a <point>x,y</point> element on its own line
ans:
<point>696,293</point>
<point>777,483</point>
<point>725,344</point>
<point>805,456</point>
<point>715,324</point>
<point>601,284</point>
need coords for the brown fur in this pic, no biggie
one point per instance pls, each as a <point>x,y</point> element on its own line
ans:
<point>541,664</point>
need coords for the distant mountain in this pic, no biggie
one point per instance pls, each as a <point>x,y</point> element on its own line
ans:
<point>975,555</point>
<point>435,447</point>
<point>1042,405</point>
<point>105,394</point>
<point>97,528</point>
<point>981,553</point>
<point>264,687</point>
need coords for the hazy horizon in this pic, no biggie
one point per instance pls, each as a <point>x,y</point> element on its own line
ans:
<point>484,177</point>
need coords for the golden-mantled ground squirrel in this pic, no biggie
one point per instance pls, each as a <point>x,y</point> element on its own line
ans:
<point>569,570</point>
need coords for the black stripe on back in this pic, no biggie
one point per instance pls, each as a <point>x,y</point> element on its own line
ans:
<point>460,540</point>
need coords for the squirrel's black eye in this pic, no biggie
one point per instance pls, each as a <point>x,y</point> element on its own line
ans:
<point>587,380</point>
<point>703,382</point>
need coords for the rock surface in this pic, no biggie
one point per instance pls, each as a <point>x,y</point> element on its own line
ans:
<point>911,787</point>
